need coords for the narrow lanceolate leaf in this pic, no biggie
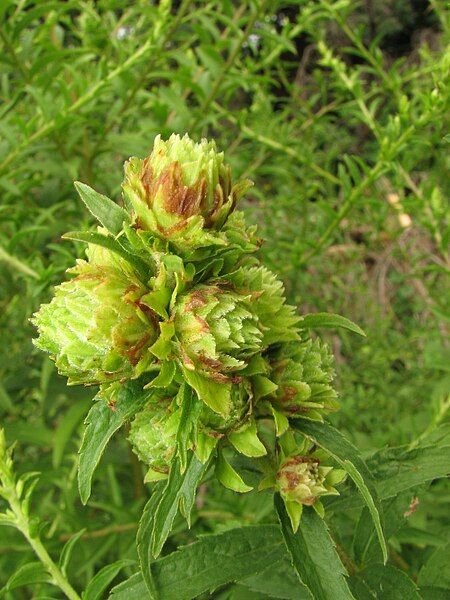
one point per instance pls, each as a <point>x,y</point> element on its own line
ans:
<point>190,412</point>
<point>213,561</point>
<point>314,555</point>
<point>102,579</point>
<point>107,212</point>
<point>319,320</point>
<point>30,574</point>
<point>68,549</point>
<point>143,542</point>
<point>349,457</point>
<point>179,493</point>
<point>101,423</point>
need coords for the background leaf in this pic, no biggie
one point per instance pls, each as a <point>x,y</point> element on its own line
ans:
<point>318,320</point>
<point>97,586</point>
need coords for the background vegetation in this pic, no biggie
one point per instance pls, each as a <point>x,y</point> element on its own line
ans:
<point>338,110</point>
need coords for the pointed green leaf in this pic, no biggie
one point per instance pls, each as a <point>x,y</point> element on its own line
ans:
<point>31,573</point>
<point>107,212</point>
<point>314,555</point>
<point>228,477</point>
<point>263,386</point>
<point>143,542</point>
<point>162,348</point>
<point>318,320</point>
<point>101,423</point>
<point>294,511</point>
<point>247,442</point>
<point>213,394</point>
<point>204,446</point>
<point>164,377</point>
<point>66,553</point>
<point>97,586</point>
<point>281,421</point>
<point>190,413</point>
<point>179,492</point>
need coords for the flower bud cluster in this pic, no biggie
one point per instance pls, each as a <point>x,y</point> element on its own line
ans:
<point>176,298</point>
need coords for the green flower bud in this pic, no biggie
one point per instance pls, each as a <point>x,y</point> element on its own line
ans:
<point>216,330</point>
<point>181,184</point>
<point>278,320</point>
<point>303,479</point>
<point>95,328</point>
<point>303,373</point>
<point>153,437</point>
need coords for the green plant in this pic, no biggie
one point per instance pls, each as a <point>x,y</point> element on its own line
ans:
<point>339,113</point>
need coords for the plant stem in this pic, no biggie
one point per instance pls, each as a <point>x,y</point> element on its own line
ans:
<point>23,525</point>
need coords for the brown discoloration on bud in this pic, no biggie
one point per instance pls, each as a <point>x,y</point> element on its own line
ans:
<point>289,393</point>
<point>217,203</point>
<point>297,409</point>
<point>149,312</point>
<point>293,479</point>
<point>279,366</point>
<point>158,469</point>
<point>196,299</point>
<point>210,362</point>
<point>203,324</point>
<point>309,501</point>
<point>89,277</point>
<point>179,199</point>
<point>189,364</point>
<point>219,377</point>
<point>215,434</point>
<point>146,176</point>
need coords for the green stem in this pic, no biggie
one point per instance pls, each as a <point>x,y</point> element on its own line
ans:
<point>39,549</point>
<point>17,264</point>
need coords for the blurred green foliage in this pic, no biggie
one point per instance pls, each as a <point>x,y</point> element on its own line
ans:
<point>338,110</point>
